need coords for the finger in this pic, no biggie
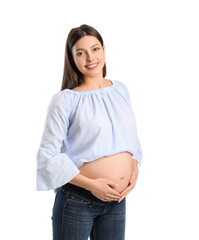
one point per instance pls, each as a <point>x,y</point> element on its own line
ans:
<point>122,198</point>
<point>125,192</point>
<point>133,177</point>
<point>134,182</point>
<point>128,189</point>
<point>110,198</point>
<point>112,184</point>
<point>114,192</point>
<point>114,198</point>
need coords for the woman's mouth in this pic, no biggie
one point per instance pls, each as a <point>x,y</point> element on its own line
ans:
<point>92,66</point>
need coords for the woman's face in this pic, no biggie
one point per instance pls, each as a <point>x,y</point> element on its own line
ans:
<point>89,56</point>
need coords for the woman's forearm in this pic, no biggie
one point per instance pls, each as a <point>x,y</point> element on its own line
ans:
<point>82,181</point>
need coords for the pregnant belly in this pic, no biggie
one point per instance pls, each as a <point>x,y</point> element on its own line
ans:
<point>117,167</point>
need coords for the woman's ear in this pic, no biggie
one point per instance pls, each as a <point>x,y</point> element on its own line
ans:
<point>104,47</point>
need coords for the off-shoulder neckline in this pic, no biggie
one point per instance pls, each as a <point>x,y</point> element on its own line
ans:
<point>98,90</point>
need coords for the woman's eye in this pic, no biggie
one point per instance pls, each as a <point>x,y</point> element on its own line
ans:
<point>97,48</point>
<point>79,53</point>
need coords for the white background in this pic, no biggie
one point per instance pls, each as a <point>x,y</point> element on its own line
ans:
<point>151,46</point>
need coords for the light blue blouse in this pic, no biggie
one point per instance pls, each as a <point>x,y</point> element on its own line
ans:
<point>81,127</point>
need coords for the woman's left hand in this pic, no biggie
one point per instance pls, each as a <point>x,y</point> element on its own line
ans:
<point>131,185</point>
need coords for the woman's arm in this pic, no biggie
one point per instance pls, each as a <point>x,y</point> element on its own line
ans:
<point>102,188</point>
<point>132,181</point>
<point>55,168</point>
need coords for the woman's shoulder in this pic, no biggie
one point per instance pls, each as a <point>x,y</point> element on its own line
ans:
<point>62,98</point>
<point>121,83</point>
<point>124,89</point>
<point>123,86</point>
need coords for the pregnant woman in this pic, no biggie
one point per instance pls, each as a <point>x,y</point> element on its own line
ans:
<point>89,152</point>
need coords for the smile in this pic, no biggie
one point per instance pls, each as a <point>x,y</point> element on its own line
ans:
<point>92,66</point>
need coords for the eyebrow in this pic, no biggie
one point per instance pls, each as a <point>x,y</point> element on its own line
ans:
<point>78,49</point>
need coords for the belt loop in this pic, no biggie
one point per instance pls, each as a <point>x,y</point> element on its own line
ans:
<point>90,204</point>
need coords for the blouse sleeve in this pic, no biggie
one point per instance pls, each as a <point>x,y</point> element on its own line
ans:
<point>55,168</point>
<point>137,154</point>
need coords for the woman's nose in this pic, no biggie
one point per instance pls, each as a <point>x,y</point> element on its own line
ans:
<point>90,57</point>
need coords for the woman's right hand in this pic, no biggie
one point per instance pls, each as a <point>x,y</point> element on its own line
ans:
<point>103,189</point>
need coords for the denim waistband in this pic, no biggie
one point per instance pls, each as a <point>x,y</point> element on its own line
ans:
<point>81,192</point>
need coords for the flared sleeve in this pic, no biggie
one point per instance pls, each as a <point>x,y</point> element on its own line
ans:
<point>54,167</point>
<point>137,150</point>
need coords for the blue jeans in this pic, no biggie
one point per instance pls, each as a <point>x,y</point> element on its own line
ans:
<point>76,216</point>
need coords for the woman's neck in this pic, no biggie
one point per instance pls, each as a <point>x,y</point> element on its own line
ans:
<point>95,83</point>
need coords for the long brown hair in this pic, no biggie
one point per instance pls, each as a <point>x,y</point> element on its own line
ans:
<point>72,77</point>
